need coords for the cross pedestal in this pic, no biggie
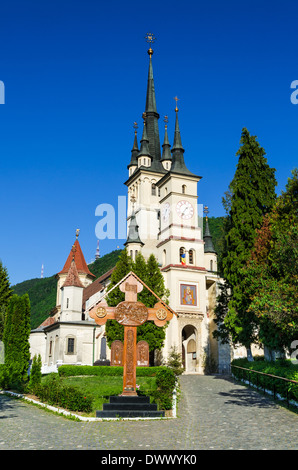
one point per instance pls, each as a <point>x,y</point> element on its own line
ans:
<point>130,313</point>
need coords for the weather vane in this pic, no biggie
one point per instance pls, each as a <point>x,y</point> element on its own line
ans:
<point>166,120</point>
<point>77,233</point>
<point>150,38</point>
<point>176,99</point>
<point>206,211</point>
<point>135,126</point>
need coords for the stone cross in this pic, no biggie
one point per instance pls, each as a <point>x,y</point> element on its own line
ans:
<point>130,313</point>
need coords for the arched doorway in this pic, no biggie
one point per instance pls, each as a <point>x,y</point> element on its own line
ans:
<point>189,348</point>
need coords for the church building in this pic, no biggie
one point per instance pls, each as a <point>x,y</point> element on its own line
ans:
<point>163,219</point>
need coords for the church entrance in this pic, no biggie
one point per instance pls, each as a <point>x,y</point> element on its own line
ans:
<point>189,348</point>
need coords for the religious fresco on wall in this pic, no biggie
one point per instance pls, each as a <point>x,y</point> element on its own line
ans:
<point>188,295</point>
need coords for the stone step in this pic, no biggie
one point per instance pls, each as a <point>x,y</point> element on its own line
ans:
<point>130,406</point>
<point>130,414</point>
<point>129,399</point>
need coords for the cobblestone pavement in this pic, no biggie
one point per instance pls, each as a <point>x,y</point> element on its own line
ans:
<point>214,413</point>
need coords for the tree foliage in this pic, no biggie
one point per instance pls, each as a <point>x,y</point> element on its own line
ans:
<point>5,295</point>
<point>272,272</point>
<point>251,195</point>
<point>16,339</point>
<point>151,275</point>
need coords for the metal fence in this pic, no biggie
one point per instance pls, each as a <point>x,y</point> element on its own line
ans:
<point>275,377</point>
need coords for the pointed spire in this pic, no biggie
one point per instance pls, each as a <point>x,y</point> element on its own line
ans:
<point>72,278</point>
<point>78,256</point>
<point>166,148</point>
<point>133,229</point>
<point>135,149</point>
<point>152,115</point>
<point>144,151</point>
<point>208,247</point>
<point>177,137</point>
<point>178,165</point>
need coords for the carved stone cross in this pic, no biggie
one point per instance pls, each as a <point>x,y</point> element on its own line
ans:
<point>130,313</point>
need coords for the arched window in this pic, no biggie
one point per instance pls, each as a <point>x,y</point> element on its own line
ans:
<point>182,256</point>
<point>136,252</point>
<point>211,265</point>
<point>164,255</point>
<point>191,257</point>
<point>153,190</point>
<point>183,188</point>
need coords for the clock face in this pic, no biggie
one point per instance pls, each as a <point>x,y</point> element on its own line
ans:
<point>166,211</point>
<point>185,210</point>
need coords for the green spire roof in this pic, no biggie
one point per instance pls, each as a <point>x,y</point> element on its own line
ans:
<point>144,151</point>
<point>166,148</point>
<point>208,247</point>
<point>134,152</point>
<point>178,165</point>
<point>152,117</point>
<point>133,231</point>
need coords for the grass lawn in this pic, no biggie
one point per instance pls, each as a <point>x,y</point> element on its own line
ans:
<point>101,388</point>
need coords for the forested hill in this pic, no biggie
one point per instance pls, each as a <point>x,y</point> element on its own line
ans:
<point>42,292</point>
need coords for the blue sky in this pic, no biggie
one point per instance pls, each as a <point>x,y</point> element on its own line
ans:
<point>75,77</point>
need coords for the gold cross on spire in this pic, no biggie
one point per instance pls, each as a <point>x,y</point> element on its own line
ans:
<point>77,233</point>
<point>135,126</point>
<point>206,211</point>
<point>166,120</point>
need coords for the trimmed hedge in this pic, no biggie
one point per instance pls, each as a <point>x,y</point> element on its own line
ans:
<point>165,379</point>
<point>280,368</point>
<point>54,392</point>
<point>72,370</point>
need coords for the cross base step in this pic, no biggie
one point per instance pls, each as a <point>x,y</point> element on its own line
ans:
<point>129,407</point>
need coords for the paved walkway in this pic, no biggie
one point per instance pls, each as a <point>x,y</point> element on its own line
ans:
<point>214,413</point>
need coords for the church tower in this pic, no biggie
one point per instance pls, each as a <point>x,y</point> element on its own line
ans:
<point>145,170</point>
<point>85,275</point>
<point>163,219</point>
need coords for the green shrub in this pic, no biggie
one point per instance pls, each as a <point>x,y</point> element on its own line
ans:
<point>280,368</point>
<point>166,381</point>
<point>71,370</point>
<point>54,392</point>
<point>35,374</point>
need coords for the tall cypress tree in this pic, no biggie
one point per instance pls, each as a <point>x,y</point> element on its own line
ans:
<point>16,339</point>
<point>5,295</point>
<point>252,196</point>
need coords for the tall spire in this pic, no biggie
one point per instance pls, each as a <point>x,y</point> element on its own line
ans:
<point>166,148</point>
<point>144,151</point>
<point>178,165</point>
<point>152,115</point>
<point>135,149</point>
<point>208,246</point>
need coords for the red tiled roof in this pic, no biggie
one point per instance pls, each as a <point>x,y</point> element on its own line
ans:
<point>95,286</point>
<point>72,278</point>
<point>48,321</point>
<point>79,260</point>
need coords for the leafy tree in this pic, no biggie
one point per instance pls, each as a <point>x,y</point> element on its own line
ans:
<point>5,295</point>
<point>251,195</point>
<point>272,272</point>
<point>16,340</point>
<point>151,275</point>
